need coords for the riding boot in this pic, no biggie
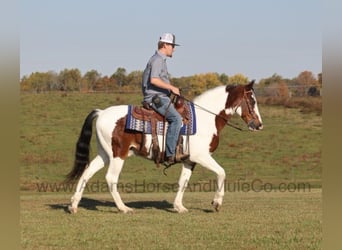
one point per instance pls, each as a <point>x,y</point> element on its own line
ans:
<point>171,160</point>
<point>180,156</point>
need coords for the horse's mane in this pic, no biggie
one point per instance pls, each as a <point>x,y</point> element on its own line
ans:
<point>209,93</point>
<point>213,99</point>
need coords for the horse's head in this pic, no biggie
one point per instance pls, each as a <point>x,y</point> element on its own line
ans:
<point>241,99</point>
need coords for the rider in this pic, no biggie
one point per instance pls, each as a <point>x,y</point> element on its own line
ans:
<point>156,88</point>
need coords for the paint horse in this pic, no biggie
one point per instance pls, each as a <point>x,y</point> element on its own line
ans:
<point>115,143</point>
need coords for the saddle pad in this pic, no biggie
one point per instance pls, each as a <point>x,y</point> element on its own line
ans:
<point>145,126</point>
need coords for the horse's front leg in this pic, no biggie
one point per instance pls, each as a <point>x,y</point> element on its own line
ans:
<point>182,185</point>
<point>208,162</point>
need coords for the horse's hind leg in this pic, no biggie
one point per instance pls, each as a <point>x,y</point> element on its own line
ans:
<point>94,166</point>
<point>112,177</point>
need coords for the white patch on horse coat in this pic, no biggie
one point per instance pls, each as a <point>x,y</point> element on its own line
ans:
<point>238,111</point>
<point>256,109</point>
<point>214,101</point>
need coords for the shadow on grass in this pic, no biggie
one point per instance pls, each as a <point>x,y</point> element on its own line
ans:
<point>95,205</point>
<point>91,204</point>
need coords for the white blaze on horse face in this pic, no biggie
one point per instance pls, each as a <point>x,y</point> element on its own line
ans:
<point>238,111</point>
<point>256,109</point>
<point>229,111</point>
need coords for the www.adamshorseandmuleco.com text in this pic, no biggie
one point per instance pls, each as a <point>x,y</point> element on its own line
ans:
<point>142,186</point>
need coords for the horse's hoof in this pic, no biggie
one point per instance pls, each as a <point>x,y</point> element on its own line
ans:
<point>216,206</point>
<point>127,210</point>
<point>72,210</point>
<point>180,210</point>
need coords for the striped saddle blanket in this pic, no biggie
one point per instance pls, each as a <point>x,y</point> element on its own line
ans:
<point>135,124</point>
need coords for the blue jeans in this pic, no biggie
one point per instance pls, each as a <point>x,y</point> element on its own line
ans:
<point>175,123</point>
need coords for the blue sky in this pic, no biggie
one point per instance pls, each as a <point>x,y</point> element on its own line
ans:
<point>255,38</point>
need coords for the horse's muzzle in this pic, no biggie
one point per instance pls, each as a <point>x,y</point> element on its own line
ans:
<point>254,126</point>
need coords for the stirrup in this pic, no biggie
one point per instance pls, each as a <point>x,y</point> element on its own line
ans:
<point>168,163</point>
<point>181,157</point>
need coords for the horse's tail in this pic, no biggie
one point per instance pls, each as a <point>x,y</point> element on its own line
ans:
<point>83,147</point>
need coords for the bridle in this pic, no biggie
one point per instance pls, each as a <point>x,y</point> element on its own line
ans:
<point>245,98</point>
<point>249,107</point>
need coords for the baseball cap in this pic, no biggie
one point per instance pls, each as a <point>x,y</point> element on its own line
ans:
<point>168,38</point>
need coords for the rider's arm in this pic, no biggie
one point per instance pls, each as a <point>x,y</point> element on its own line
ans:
<point>161,84</point>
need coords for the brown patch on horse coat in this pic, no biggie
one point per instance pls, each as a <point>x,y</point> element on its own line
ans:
<point>220,122</point>
<point>235,94</point>
<point>123,141</point>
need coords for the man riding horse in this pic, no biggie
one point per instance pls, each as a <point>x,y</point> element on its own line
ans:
<point>156,88</point>
<point>116,141</point>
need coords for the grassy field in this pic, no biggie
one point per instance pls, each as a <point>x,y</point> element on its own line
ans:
<point>284,159</point>
<point>248,220</point>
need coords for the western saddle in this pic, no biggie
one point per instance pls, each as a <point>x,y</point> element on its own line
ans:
<point>146,113</point>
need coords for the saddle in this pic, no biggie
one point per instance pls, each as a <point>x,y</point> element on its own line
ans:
<point>146,113</point>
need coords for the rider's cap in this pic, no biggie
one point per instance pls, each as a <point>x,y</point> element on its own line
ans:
<point>168,38</point>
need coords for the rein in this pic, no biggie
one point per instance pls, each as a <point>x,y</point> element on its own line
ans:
<point>210,112</point>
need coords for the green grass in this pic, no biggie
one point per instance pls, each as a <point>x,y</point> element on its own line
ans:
<point>287,152</point>
<point>248,220</point>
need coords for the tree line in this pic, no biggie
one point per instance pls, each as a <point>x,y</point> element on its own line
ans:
<point>306,83</point>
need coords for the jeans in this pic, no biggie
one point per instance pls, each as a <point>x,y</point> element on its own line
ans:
<point>175,123</point>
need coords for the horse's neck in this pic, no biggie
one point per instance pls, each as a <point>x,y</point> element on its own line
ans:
<point>213,100</point>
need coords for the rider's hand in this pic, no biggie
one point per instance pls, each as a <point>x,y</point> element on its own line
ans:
<point>175,90</point>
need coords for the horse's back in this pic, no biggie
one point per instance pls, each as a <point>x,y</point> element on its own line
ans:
<point>113,113</point>
<point>108,118</point>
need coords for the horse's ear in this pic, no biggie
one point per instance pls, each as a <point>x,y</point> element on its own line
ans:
<point>249,86</point>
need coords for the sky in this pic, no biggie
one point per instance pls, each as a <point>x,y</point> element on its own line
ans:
<point>254,38</point>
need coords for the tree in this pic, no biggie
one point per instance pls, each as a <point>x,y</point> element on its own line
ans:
<point>103,84</point>
<point>307,79</point>
<point>70,79</point>
<point>52,80</point>
<point>90,78</point>
<point>320,79</point>
<point>40,82</point>
<point>201,82</point>
<point>119,76</point>
<point>133,81</point>
<point>184,83</point>
<point>211,80</point>
<point>224,79</point>
<point>238,79</point>
<point>25,84</point>
<point>275,78</point>
<point>303,82</point>
<point>276,89</point>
